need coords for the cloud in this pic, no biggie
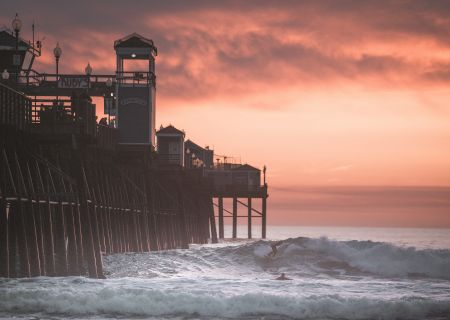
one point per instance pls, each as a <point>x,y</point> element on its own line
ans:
<point>210,49</point>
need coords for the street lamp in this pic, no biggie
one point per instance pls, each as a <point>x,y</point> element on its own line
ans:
<point>57,53</point>
<point>88,69</point>
<point>108,85</point>
<point>17,25</point>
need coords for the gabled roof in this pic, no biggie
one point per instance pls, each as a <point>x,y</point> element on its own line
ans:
<point>134,40</point>
<point>8,39</point>
<point>191,144</point>
<point>170,129</point>
<point>245,167</point>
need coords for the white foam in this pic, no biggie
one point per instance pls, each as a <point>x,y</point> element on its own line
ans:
<point>386,259</point>
<point>126,300</point>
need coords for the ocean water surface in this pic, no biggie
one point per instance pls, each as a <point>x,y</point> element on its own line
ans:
<point>337,273</point>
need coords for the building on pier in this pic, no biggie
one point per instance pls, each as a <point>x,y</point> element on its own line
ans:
<point>16,53</point>
<point>197,156</point>
<point>170,145</point>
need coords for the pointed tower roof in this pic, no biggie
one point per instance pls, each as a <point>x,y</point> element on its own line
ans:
<point>170,129</point>
<point>135,40</point>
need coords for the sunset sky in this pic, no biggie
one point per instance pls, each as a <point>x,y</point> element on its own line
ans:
<point>346,102</point>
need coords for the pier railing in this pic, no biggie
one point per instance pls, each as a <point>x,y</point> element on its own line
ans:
<point>15,108</point>
<point>61,118</point>
<point>93,81</point>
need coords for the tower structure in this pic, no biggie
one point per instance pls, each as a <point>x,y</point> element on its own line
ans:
<point>135,90</point>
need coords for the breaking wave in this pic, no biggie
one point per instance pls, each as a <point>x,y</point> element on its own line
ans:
<point>298,256</point>
<point>83,297</point>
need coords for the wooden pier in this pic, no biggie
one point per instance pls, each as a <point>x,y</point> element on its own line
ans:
<point>72,191</point>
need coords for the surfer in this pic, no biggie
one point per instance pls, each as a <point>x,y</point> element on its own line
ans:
<point>274,248</point>
<point>283,277</point>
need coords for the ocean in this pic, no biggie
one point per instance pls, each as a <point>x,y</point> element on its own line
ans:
<point>337,273</point>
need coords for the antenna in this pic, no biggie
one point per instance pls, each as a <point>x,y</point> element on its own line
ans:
<point>32,28</point>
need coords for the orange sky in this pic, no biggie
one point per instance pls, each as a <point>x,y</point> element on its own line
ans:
<point>328,94</point>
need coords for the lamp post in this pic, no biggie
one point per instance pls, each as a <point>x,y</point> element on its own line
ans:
<point>17,25</point>
<point>88,69</point>
<point>109,85</point>
<point>57,53</point>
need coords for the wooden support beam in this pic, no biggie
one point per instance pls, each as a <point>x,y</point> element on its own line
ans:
<point>249,221</point>
<point>12,243</point>
<point>221,228</point>
<point>60,241</point>
<point>252,209</point>
<point>32,239</point>
<point>41,207</point>
<point>72,246</point>
<point>184,243</point>
<point>153,227</point>
<point>4,259</point>
<point>234,218</point>
<point>32,227</point>
<point>22,243</point>
<point>264,217</point>
<point>212,221</point>
<point>49,245</point>
<point>86,213</point>
<point>88,246</point>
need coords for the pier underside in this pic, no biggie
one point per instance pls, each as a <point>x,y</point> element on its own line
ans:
<point>63,205</point>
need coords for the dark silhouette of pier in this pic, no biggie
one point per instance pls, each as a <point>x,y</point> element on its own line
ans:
<point>73,189</point>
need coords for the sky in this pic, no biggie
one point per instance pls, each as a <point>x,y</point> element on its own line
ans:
<point>346,102</point>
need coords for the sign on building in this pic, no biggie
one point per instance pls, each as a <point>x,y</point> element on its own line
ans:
<point>73,82</point>
<point>135,115</point>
